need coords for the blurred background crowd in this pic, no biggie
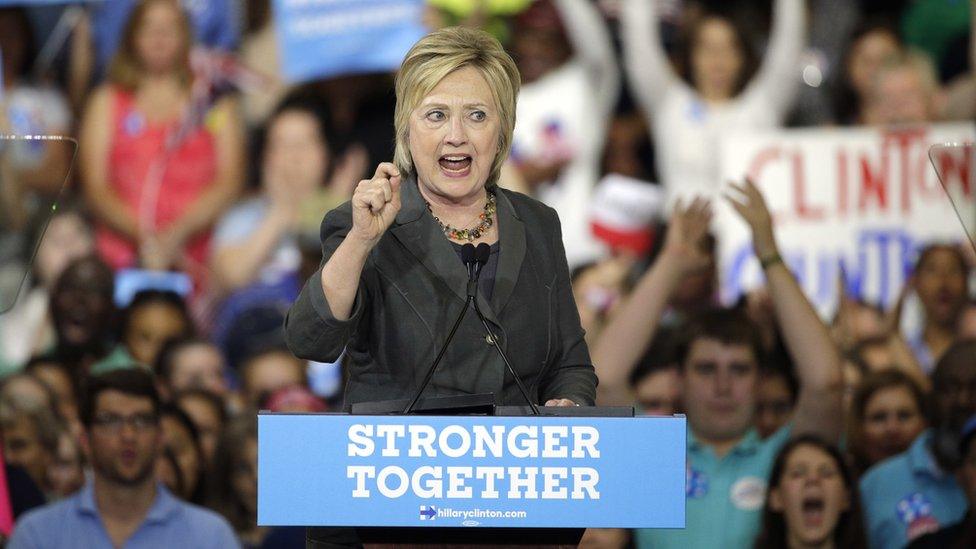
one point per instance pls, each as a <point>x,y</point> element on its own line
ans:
<point>189,218</point>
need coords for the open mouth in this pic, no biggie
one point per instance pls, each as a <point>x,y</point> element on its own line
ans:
<point>455,164</point>
<point>813,510</point>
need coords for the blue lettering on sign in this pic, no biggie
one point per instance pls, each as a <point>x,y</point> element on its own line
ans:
<point>881,260</point>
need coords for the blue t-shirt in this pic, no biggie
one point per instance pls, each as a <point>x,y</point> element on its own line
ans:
<point>724,496</point>
<point>908,495</point>
<point>75,522</point>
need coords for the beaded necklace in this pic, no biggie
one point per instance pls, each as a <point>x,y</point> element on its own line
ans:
<point>487,219</point>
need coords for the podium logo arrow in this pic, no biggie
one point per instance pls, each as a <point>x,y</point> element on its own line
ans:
<point>428,512</point>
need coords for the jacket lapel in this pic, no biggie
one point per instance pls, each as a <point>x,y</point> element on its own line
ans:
<point>511,231</point>
<point>422,237</point>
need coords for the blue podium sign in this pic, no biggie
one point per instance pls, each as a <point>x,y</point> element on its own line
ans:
<point>439,471</point>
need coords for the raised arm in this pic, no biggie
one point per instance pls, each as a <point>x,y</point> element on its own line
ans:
<point>819,407</point>
<point>591,41</point>
<point>328,302</point>
<point>632,328</point>
<point>778,80</point>
<point>648,69</point>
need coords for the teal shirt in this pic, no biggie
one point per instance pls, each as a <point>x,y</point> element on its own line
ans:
<point>724,496</point>
<point>908,495</point>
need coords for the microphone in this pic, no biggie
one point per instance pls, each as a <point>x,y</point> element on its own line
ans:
<point>482,253</point>
<point>469,257</point>
<point>471,260</point>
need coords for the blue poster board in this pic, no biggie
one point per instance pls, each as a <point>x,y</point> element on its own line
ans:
<point>323,38</point>
<point>425,471</point>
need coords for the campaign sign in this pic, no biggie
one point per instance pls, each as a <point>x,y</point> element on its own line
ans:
<point>323,38</point>
<point>853,203</point>
<point>411,471</point>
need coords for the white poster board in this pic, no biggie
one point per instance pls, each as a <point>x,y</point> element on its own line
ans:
<point>862,200</point>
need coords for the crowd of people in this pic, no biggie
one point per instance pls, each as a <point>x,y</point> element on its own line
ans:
<point>149,326</point>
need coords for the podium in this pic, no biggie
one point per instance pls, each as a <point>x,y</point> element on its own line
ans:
<point>499,477</point>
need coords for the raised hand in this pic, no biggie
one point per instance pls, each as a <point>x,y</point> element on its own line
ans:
<point>686,234</point>
<point>749,203</point>
<point>375,203</point>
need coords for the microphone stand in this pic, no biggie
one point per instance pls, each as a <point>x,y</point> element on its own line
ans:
<point>474,272</point>
<point>481,256</point>
<point>474,259</point>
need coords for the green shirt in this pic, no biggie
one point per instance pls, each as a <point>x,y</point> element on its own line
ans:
<point>724,496</point>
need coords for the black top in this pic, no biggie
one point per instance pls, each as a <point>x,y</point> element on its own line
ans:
<point>412,289</point>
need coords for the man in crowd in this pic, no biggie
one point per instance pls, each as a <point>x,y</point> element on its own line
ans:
<point>122,505</point>
<point>915,493</point>
<point>962,533</point>
<point>719,363</point>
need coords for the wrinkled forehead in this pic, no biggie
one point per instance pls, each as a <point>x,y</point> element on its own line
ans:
<point>465,86</point>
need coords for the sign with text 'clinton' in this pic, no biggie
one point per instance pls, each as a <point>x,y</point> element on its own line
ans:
<point>533,472</point>
<point>324,38</point>
<point>855,203</point>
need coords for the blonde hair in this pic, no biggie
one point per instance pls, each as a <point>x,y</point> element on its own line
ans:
<point>125,70</point>
<point>439,54</point>
<point>917,62</point>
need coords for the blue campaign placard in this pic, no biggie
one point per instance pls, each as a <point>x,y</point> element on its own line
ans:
<point>532,472</point>
<point>323,38</point>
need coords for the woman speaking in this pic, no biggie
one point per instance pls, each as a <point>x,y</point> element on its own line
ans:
<point>392,282</point>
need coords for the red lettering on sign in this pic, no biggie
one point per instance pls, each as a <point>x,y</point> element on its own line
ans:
<point>874,183</point>
<point>802,209</point>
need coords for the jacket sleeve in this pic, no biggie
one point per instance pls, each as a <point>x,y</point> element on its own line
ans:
<point>312,332</point>
<point>570,373</point>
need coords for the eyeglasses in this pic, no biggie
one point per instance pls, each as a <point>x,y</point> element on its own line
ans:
<point>113,422</point>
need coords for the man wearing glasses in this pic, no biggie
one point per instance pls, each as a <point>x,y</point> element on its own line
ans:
<point>122,505</point>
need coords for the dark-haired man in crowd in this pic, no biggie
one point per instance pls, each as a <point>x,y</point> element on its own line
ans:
<point>123,505</point>
<point>915,492</point>
<point>962,533</point>
<point>719,362</point>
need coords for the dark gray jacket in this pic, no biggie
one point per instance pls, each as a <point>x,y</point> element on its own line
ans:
<point>412,289</point>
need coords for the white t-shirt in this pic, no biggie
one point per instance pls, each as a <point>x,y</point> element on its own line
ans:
<point>549,130</point>
<point>687,131</point>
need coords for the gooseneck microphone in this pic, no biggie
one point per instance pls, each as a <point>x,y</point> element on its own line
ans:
<point>474,272</point>
<point>482,253</point>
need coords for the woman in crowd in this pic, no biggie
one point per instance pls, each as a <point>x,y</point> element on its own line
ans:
<point>872,44</point>
<point>190,363</point>
<point>209,416</point>
<point>887,414</point>
<point>717,91</point>
<point>151,319</point>
<point>66,474</point>
<point>158,166</point>
<point>181,438</point>
<point>83,313</point>
<point>256,256</point>
<point>57,378</point>
<point>941,282</point>
<point>234,482</point>
<point>812,500</point>
<point>27,329</point>
<point>563,49</point>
